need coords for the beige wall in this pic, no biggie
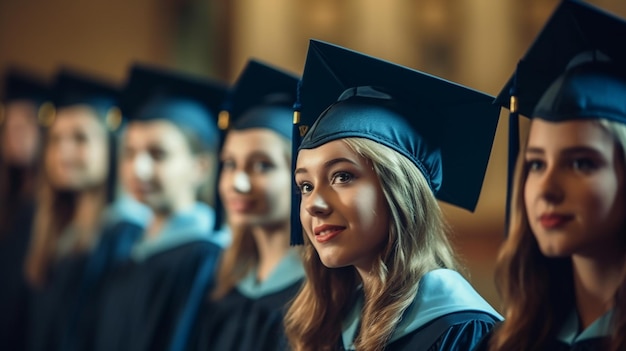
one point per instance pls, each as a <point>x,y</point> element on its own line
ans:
<point>473,42</point>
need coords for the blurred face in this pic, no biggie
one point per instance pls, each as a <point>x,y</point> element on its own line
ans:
<point>20,136</point>
<point>574,192</point>
<point>343,209</point>
<point>158,167</point>
<point>77,153</point>
<point>255,182</point>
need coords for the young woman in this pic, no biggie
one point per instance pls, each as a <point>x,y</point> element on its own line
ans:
<point>259,274</point>
<point>381,272</point>
<point>168,156</point>
<point>21,134</point>
<point>78,171</point>
<point>561,271</point>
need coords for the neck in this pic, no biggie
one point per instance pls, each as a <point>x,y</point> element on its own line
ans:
<point>162,216</point>
<point>367,278</point>
<point>89,206</point>
<point>272,244</point>
<point>595,282</point>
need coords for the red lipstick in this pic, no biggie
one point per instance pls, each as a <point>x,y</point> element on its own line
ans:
<point>554,220</point>
<point>326,232</point>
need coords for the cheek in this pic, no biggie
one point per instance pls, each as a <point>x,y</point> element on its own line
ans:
<point>369,210</point>
<point>600,199</point>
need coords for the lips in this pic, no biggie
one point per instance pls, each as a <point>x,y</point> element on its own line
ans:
<point>326,232</point>
<point>240,205</point>
<point>554,220</point>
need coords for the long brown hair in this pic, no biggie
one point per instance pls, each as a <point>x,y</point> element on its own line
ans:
<point>242,255</point>
<point>417,244</point>
<point>537,291</point>
<point>55,211</point>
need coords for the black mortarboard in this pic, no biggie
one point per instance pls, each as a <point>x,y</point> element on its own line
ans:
<point>566,73</point>
<point>262,97</point>
<point>445,129</point>
<point>190,102</point>
<point>21,84</point>
<point>77,88</point>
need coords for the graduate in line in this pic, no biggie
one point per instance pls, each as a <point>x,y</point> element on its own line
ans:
<point>168,160</point>
<point>25,96</point>
<point>78,175</point>
<point>259,274</point>
<point>381,143</point>
<point>561,270</point>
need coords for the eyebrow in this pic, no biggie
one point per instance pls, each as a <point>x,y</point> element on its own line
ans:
<point>567,151</point>
<point>328,164</point>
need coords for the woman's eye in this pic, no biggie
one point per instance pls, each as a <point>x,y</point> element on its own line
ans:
<point>305,188</point>
<point>534,165</point>
<point>583,164</point>
<point>262,166</point>
<point>342,177</point>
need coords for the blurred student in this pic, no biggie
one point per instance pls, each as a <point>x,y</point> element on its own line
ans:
<point>561,271</point>
<point>25,96</point>
<point>259,273</point>
<point>78,174</point>
<point>168,159</point>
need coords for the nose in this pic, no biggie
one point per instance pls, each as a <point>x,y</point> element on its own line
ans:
<point>550,187</point>
<point>316,204</point>
<point>143,167</point>
<point>241,182</point>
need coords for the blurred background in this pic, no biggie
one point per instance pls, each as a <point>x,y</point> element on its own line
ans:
<point>473,42</point>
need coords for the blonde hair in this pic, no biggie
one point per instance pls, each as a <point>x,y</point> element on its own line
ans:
<point>417,244</point>
<point>537,291</point>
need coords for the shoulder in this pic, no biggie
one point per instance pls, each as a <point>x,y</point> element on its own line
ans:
<point>456,331</point>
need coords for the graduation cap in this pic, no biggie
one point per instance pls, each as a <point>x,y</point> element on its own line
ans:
<point>21,84</point>
<point>445,129</point>
<point>262,97</point>
<point>190,102</point>
<point>71,88</point>
<point>567,72</point>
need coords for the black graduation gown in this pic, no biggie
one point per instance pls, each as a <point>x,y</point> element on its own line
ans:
<point>144,299</point>
<point>14,290</point>
<point>52,305</point>
<point>447,314</point>
<point>250,317</point>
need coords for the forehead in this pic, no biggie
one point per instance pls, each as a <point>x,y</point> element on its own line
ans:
<point>154,131</point>
<point>572,133</point>
<point>247,141</point>
<point>319,156</point>
<point>75,116</point>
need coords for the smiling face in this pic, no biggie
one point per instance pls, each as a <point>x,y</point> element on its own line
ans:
<point>574,192</point>
<point>158,167</point>
<point>77,153</point>
<point>255,182</point>
<point>343,209</point>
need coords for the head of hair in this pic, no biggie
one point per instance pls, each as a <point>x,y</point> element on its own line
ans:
<point>56,210</point>
<point>417,243</point>
<point>242,254</point>
<point>537,291</point>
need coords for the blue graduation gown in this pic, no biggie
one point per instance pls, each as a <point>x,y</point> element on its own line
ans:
<point>147,292</point>
<point>446,314</point>
<point>250,316</point>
